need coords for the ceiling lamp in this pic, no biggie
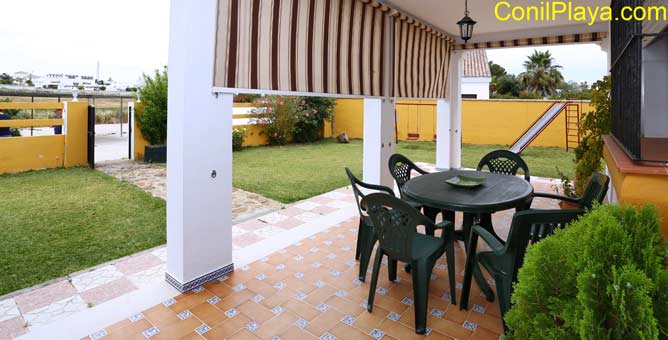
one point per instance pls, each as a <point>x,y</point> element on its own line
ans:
<point>466,24</point>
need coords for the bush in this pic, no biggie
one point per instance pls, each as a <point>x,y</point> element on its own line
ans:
<point>313,111</point>
<point>603,277</point>
<point>153,121</point>
<point>278,116</point>
<point>238,136</point>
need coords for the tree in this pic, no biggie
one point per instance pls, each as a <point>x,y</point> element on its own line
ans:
<point>542,75</point>
<point>29,81</point>
<point>6,79</point>
<point>153,121</point>
<point>503,84</point>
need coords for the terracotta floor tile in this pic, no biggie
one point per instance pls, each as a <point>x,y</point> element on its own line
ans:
<point>235,299</point>
<point>399,331</point>
<point>177,329</point>
<point>368,321</point>
<point>240,276</point>
<point>343,331</point>
<point>256,311</point>
<point>324,322</point>
<point>130,330</point>
<point>243,335</point>
<point>345,306</point>
<point>294,333</point>
<point>393,305</point>
<point>160,315</point>
<point>300,285</point>
<point>279,298</point>
<point>260,287</point>
<point>209,314</point>
<point>191,301</point>
<point>486,321</point>
<point>434,335</point>
<point>191,336</point>
<point>228,327</point>
<point>455,315</point>
<point>484,334</point>
<point>219,289</point>
<point>320,295</point>
<point>302,309</point>
<point>449,328</point>
<point>277,325</point>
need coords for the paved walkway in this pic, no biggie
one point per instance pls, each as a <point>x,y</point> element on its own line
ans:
<point>152,178</point>
<point>38,309</point>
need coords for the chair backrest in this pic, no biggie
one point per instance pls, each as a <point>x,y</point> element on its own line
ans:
<point>531,226</point>
<point>395,224</point>
<point>504,162</point>
<point>356,184</point>
<point>401,169</point>
<point>595,191</point>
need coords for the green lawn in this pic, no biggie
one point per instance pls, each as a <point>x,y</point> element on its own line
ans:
<point>55,222</point>
<point>295,172</point>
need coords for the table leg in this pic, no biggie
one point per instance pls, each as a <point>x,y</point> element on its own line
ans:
<point>467,224</point>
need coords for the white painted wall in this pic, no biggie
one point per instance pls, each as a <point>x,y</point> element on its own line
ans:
<point>655,88</point>
<point>378,140</point>
<point>476,85</point>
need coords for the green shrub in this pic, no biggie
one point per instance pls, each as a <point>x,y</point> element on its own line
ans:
<point>238,136</point>
<point>603,277</point>
<point>278,117</point>
<point>153,121</point>
<point>313,111</point>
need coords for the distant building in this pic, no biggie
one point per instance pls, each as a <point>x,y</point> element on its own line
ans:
<point>476,75</point>
<point>60,81</point>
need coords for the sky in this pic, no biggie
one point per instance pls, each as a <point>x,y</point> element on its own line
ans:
<point>127,37</point>
<point>130,37</point>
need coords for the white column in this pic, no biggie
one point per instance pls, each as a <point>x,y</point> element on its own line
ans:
<point>455,100</point>
<point>379,139</point>
<point>199,157</point>
<point>442,134</point>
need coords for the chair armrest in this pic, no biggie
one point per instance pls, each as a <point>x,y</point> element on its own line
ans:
<point>376,187</point>
<point>556,197</point>
<point>491,240</point>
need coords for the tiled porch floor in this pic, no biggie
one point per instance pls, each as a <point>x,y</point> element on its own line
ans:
<point>309,290</point>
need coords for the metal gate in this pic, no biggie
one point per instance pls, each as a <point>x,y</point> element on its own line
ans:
<point>91,136</point>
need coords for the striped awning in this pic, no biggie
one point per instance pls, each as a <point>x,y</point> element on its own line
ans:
<point>551,40</point>
<point>421,60</point>
<point>341,47</point>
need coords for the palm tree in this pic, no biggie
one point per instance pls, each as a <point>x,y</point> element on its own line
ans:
<point>542,76</point>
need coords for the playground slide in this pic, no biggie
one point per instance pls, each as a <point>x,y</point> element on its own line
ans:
<point>538,126</point>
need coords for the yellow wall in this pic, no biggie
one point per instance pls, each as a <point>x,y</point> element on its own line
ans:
<point>139,142</point>
<point>41,152</point>
<point>483,121</point>
<point>76,139</point>
<point>639,189</point>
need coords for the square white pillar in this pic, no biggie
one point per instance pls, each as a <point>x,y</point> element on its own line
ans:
<point>443,139</point>
<point>455,100</point>
<point>199,152</point>
<point>379,140</point>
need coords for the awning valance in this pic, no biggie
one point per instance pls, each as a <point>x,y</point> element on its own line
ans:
<point>550,40</point>
<point>337,47</point>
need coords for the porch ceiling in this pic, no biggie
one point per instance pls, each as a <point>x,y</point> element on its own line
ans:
<point>445,14</point>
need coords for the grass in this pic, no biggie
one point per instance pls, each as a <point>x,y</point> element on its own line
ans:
<point>295,172</point>
<point>55,222</point>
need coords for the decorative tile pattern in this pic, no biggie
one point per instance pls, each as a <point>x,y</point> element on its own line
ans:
<point>214,275</point>
<point>437,312</point>
<point>203,328</point>
<point>348,320</point>
<point>169,302</point>
<point>376,334</point>
<point>252,326</point>
<point>322,307</point>
<point>301,323</point>
<point>136,317</point>
<point>407,301</point>
<point>393,316</point>
<point>478,308</point>
<point>98,335</point>
<point>232,312</point>
<point>277,310</point>
<point>327,336</point>
<point>153,331</point>
<point>184,315</point>
<point>257,298</point>
<point>472,326</point>
<point>213,300</point>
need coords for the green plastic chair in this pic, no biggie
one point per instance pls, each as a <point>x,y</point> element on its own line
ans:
<point>504,162</point>
<point>595,191</point>
<point>396,225</point>
<point>365,236</point>
<point>401,169</point>
<point>504,260</point>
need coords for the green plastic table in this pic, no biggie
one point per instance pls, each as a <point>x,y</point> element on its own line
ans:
<point>499,192</point>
